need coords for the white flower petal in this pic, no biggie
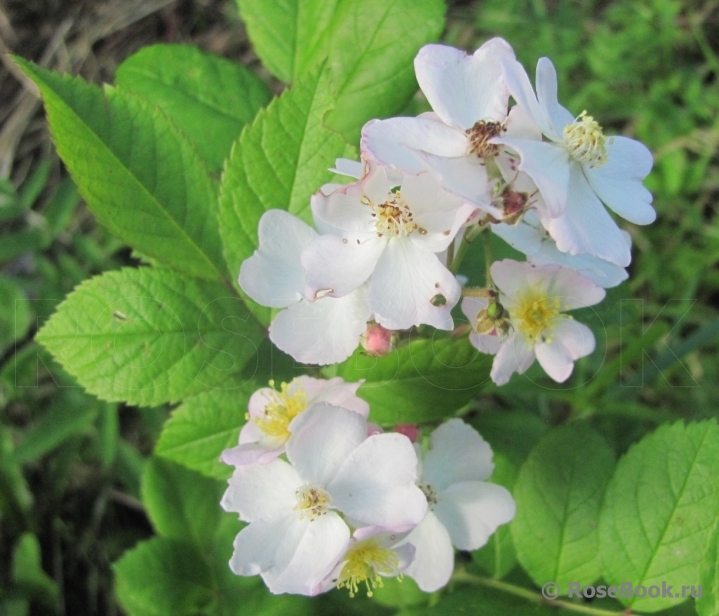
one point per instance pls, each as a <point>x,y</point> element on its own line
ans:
<point>570,340</point>
<point>337,265</point>
<point>261,490</point>
<point>404,284</point>
<point>546,80</point>
<point>376,484</point>
<point>486,343</point>
<point>522,237</point>
<point>618,182</point>
<point>472,305</point>
<point>273,276</point>
<point>326,331</point>
<point>457,453</point>
<point>322,438</point>
<point>465,177</point>
<point>351,168</point>
<point>512,277</point>
<point>249,453</point>
<point>575,290</point>
<point>464,89</point>
<point>586,226</point>
<point>312,558</point>
<point>549,166</point>
<point>399,143</point>
<point>434,556</point>
<point>515,355</point>
<point>471,511</point>
<point>521,90</point>
<point>520,125</point>
<point>334,391</point>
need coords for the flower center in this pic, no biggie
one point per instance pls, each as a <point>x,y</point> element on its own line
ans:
<point>393,218</point>
<point>480,134</point>
<point>534,313</point>
<point>280,410</point>
<point>366,561</point>
<point>429,493</point>
<point>585,141</point>
<point>312,502</point>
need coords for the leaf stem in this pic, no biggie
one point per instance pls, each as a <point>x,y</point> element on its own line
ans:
<point>456,261</point>
<point>535,597</point>
<point>487,239</point>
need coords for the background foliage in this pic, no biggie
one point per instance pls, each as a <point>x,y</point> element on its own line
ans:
<point>615,472</point>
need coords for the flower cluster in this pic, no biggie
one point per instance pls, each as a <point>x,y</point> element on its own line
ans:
<point>332,501</point>
<point>383,254</point>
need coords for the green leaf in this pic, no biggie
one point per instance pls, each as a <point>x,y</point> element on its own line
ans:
<point>208,97</point>
<point>708,603</point>
<point>659,510</point>
<point>14,312</point>
<point>138,174</point>
<point>559,493</point>
<point>279,162</point>
<point>203,427</point>
<point>182,504</point>
<point>163,577</point>
<point>498,557</point>
<point>27,571</point>
<point>370,46</point>
<point>424,380</point>
<point>149,336</point>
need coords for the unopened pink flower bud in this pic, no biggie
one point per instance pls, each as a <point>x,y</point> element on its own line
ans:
<point>411,431</point>
<point>377,340</point>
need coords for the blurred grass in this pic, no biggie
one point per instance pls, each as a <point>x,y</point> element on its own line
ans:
<point>648,69</point>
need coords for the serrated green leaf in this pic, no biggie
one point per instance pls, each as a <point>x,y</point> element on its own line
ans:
<point>182,504</point>
<point>279,162</point>
<point>203,427</point>
<point>559,493</point>
<point>163,577</point>
<point>708,603</point>
<point>659,510</point>
<point>149,336</point>
<point>425,380</point>
<point>370,46</point>
<point>208,97</point>
<point>138,174</point>
<point>498,557</point>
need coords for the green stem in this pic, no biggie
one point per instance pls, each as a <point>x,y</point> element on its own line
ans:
<point>459,257</point>
<point>530,595</point>
<point>487,239</point>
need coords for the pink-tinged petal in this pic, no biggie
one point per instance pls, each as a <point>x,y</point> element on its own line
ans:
<point>515,355</point>
<point>434,555</point>
<point>486,343</point>
<point>251,432</point>
<point>400,143</point>
<point>569,341</point>
<point>376,484</point>
<point>464,89</point>
<point>618,182</point>
<point>334,391</point>
<point>586,227</point>
<point>324,541</point>
<point>326,331</point>
<point>262,490</point>
<point>337,265</point>
<point>249,453</point>
<point>457,453</point>
<point>405,284</point>
<point>273,276</point>
<point>574,289</point>
<point>521,90</point>
<point>546,80</point>
<point>512,277</point>
<point>549,166</point>
<point>471,511</point>
<point>322,438</point>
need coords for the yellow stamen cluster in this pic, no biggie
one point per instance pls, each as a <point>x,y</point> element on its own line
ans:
<point>393,217</point>
<point>534,313</point>
<point>585,141</point>
<point>280,410</point>
<point>366,560</point>
<point>312,502</point>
